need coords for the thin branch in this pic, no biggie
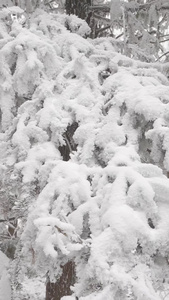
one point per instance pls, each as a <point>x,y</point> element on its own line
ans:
<point>161,36</point>
<point>146,4</point>
<point>163,19</point>
<point>105,8</point>
<point>162,55</point>
<point>6,220</point>
<point>10,219</point>
<point>102,29</point>
<point>67,143</point>
<point>49,3</point>
<point>164,41</point>
<point>124,30</point>
<point>4,236</point>
<point>164,6</point>
<point>101,18</point>
<point>152,32</point>
<point>118,36</point>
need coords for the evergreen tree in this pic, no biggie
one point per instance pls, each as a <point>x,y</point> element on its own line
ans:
<point>84,162</point>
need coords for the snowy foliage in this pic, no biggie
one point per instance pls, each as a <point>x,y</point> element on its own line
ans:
<point>105,204</point>
<point>5,289</point>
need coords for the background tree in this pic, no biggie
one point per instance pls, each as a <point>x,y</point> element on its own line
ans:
<point>141,25</point>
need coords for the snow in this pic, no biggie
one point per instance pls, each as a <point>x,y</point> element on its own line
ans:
<point>13,10</point>
<point>105,208</point>
<point>35,288</point>
<point>5,285</point>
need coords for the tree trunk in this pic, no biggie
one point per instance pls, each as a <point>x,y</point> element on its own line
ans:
<point>55,291</point>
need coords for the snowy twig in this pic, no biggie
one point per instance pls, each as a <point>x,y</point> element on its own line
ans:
<point>79,239</point>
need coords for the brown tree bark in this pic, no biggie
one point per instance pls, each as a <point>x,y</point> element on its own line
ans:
<point>55,291</point>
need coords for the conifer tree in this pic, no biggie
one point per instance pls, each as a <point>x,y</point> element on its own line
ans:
<point>84,162</point>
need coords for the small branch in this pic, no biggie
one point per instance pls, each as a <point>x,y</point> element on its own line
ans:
<point>102,29</point>
<point>161,36</point>
<point>124,29</point>
<point>152,32</point>
<point>10,219</point>
<point>118,36</point>
<point>105,8</point>
<point>47,3</point>
<point>68,143</point>
<point>101,18</point>
<point>7,220</point>
<point>146,4</point>
<point>164,6</point>
<point>4,236</point>
<point>162,55</point>
<point>164,41</point>
<point>162,20</point>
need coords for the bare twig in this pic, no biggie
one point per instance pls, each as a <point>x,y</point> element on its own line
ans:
<point>102,29</point>
<point>101,18</point>
<point>118,36</point>
<point>103,7</point>
<point>162,55</point>
<point>164,41</point>
<point>5,236</point>
<point>162,20</point>
<point>10,219</point>
<point>164,35</point>
<point>7,220</point>
<point>68,143</point>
